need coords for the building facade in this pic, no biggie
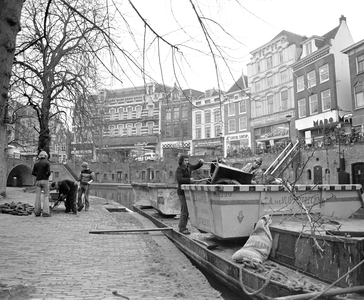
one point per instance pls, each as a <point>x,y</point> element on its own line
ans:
<point>271,92</point>
<point>175,121</point>
<point>129,124</point>
<point>322,85</point>
<point>208,124</point>
<point>237,134</point>
<point>355,54</point>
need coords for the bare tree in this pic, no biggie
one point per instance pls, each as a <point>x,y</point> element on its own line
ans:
<point>58,59</point>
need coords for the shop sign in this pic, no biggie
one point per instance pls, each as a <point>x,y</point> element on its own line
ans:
<point>237,137</point>
<point>323,122</point>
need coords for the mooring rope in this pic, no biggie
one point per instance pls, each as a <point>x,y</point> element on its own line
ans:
<point>267,280</point>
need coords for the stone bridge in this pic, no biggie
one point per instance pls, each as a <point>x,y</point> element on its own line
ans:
<point>19,172</point>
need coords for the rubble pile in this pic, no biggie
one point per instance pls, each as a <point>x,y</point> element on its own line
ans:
<point>18,209</point>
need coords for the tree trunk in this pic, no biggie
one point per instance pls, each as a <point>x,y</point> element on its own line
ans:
<point>9,27</point>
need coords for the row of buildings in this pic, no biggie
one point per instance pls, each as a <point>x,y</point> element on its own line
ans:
<point>296,87</point>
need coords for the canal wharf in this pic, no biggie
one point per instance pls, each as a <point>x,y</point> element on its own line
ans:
<point>57,257</point>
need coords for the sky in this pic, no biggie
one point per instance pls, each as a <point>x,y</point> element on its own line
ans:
<point>236,26</point>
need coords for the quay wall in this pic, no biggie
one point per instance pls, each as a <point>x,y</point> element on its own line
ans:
<point>302,169</point>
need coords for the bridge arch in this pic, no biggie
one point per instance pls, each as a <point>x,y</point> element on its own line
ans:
<point>20,175</point>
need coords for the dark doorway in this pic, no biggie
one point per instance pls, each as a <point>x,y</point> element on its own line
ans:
<point>317,175</point>
<point>357,173</point>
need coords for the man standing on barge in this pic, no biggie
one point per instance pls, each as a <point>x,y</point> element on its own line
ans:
<point>183,176</point>
<point>255,169</point>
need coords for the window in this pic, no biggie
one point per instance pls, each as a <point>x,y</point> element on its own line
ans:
<point>129,129</point>
<point>120,129</point>
<point>217,130</point>
<point>243,123</point>
<point>258,108</point>
<point>308,48</point>
<point>269,62</point>
<point>360,62</point>
<point>258,66</point>
<point>112,130</point>
<point>150,126</point>
<point>312,100</point>
<point>168,114</point>
<point>184,111</point>
<point>326,100</point>
<point>311,78</point>
<point>231,109</point>
<point>198,118</point>
<point>138,127</point>
<point>300,84</point>
<point>138,110</point>
<point>280,55</point>
<point>168,130</point>
<point>207,132</point>
<point>112,113</point>
<point>217,115</point>
<point>232,125</point>
<point>198,133</point>
<point>284,76</point>
<point>242,107</point>
<point>184,129</point>
<point>177,130</point>
<point>176,113</point>
<point>207,116</point>
<point>150,110</point>
<point>324,73</point>
<point>270,81</point>
<point>359,97</point>
<point>129,112</point>
<point>284,100</point>
<point>257,86</point>
<point>121,113</point>
<point>302,108</point>
<point>270,104</point>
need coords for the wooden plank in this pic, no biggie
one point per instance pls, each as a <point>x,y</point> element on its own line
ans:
<point>129,230</point>
<point>329,293</point>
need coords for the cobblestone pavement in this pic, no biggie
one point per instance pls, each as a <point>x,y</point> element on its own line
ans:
<point>57,257</point>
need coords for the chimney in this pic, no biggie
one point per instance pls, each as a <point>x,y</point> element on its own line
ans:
<point>342,18</point>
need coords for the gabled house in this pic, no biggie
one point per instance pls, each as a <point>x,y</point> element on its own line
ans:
<point>208,124</point>
<point>355,53</point>
<point>322,85</point>
<point>175,121</point>
<point>237,135</point>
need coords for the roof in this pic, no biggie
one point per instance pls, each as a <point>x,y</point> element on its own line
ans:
<point>353,46</point>
<point>240,84</point>
<point>292,38</point>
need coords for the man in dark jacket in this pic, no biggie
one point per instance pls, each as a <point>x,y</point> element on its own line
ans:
<point>183,176</point>
<point>42,171</point>
<point>67,190</point>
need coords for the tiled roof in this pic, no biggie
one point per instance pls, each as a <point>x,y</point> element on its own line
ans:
<point>292,38</point>
<point>240,84</point>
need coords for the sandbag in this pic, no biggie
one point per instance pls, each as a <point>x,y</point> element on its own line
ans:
<point>256,250</point>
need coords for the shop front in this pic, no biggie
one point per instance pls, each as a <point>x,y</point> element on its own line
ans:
<point>210,147</point>
<point>238,144</point>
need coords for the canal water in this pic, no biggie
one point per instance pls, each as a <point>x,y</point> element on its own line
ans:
<point>125,196</point>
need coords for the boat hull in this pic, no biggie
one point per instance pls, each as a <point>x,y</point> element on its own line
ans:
<point>231,211</point>
<point>324,256</point>
<point>273,281</point>
<point>162,197</point>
